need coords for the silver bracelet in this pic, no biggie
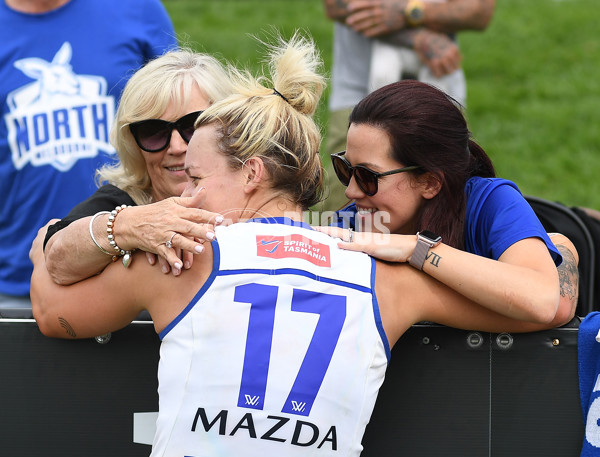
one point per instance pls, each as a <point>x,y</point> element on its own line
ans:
<point>111,238</point>
<point>92,232</point>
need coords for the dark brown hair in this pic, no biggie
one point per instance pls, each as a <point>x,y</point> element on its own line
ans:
<point>426,127</point>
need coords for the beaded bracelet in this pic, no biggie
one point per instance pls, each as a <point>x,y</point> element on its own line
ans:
<point>111,238</point>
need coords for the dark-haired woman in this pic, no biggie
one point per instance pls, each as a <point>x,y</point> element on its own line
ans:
<point>413,170</point>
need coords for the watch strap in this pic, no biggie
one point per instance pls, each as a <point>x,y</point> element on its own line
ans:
<point>417,259</point>
<point>425,241</point>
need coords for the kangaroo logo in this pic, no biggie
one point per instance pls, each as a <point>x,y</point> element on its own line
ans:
<point>61,116</point>
<point>52,78</point>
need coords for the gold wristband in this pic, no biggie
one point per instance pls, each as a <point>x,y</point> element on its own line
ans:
<point>414,13</point>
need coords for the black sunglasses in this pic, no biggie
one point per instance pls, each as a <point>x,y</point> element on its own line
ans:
<point>367,180</point>
<point>153,135</point>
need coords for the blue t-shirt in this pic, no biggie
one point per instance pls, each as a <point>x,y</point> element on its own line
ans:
<point>62,75</point>
<point>496,217</point>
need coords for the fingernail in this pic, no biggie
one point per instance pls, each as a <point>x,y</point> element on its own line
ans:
<point>177,266</point>
<point>210,235</point>
<point>199,249</point>
<point>187,265</point>
<point>219,219</point>
<point>165,269</point>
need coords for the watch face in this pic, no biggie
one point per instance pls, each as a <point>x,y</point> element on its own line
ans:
<point>416,14</point>
<point>430,236</point>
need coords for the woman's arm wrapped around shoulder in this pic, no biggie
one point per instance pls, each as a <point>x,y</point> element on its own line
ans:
<point>173,229</point>
<point>523,284</point>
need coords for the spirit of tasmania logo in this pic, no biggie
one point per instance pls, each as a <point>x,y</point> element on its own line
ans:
<point>293,246</point>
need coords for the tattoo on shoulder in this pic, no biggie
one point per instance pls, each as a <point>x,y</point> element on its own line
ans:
<point>568,274</point>
<point>64,324</point>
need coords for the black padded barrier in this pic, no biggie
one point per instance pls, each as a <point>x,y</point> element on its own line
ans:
<point>75,398</point>
<point>459,393</point>
<point>447,393</point>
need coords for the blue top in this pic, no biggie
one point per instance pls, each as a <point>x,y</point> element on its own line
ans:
<point>62,74</point>
<point>496,217</point>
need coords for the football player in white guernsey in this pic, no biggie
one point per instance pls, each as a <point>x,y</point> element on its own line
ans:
<point>276,341</point>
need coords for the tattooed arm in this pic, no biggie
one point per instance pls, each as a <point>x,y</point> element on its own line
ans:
<point>436,50</point>
<point>77,311</point>
<point>336,10</point>
<point>522,284</point>
<point>568,276</point>
<point>456,15</point>
<point>385,19</point>
<point>376,18</point>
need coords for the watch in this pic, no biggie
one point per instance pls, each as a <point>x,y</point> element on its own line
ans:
<point>414,12</point>
<point>425,241</point>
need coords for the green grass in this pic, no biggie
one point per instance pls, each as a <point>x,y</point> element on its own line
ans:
<point>225,29</point>
<point>533,79</point>
<point>534,96</point>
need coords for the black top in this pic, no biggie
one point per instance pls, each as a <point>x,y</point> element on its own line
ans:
<point>106,198</point>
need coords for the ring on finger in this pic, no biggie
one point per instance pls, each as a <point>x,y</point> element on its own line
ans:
<point>350,236</point>
<point>169,243</point>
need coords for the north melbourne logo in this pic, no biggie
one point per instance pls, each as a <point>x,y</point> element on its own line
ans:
<point>60,117</point>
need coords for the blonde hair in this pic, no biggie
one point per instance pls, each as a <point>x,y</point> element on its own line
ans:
<point>147,95</point>
<point>272,117</point>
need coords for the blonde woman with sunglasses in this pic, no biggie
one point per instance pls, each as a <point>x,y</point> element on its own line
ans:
<point>153,125</point>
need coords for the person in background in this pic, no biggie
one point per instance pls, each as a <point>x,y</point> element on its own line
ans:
<point>153,125</point>
<point>64,65</point>
<point>275,342</point>
<point>376,42</point>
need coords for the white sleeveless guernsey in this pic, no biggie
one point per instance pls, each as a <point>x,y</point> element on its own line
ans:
<point>280,353</point>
